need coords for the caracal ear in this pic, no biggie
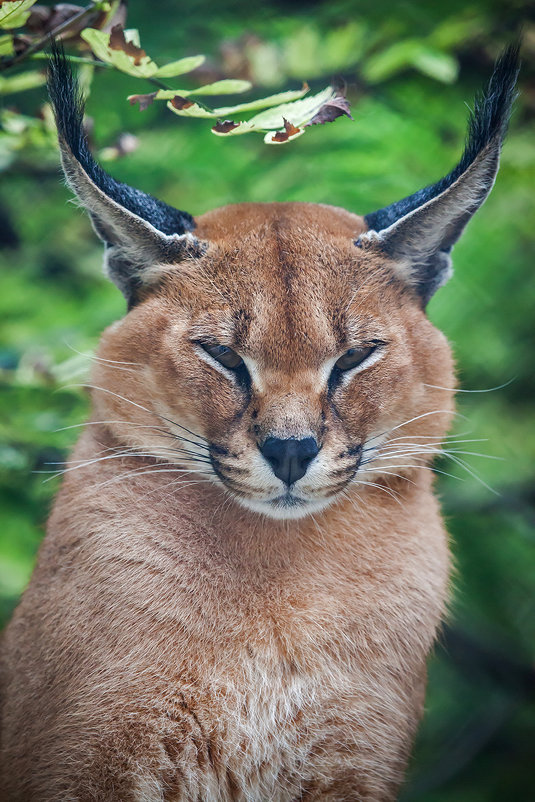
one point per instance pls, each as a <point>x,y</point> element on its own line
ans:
<point>142,234</point>
<point>418,232</point>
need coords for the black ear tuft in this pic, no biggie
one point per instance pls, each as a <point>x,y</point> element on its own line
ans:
<point>418,232</point>
<point>68,105</point>
<point>487,122</point>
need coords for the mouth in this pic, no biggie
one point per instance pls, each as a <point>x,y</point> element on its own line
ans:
<point>288,500</point>
<point>288,504</point>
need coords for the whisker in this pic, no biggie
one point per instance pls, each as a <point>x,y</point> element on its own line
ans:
<point>419,467</point>
<point>389,492</point>
<point>159,431</point>
<point>439,440</point>
<point>100,358</point>
<point>134,474</point>
<point>150,411</point>
<point>132,452</point>
<point>121,455</point>
<point>487,390</point>
<point>418,417</point>
<point>429,449</point>
<point>116,364</point>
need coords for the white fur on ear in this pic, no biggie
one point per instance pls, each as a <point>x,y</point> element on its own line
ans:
<point>420,242</point>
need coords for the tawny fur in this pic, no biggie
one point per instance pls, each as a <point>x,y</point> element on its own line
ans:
<point>173,645</point>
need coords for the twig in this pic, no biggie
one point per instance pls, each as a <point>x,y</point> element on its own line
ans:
<point>40,44</point>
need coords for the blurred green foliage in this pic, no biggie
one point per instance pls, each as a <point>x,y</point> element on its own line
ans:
<point>400,63</point>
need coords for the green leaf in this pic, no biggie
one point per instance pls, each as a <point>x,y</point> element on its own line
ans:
<point>226,87</point>
<point>15,14</point>
<point>21,82</point>
<point>411,53</point>
<point>264,102</point>
<point>223,111</point>
<point>437,65</point>
<point>6,45</point>
<point>99,42</point>
<point>179,67</point>
<point>386,63</point>
<point>298,113</point>
<point>112,52</point>
<point>238,130</point>
<point>193,111</point>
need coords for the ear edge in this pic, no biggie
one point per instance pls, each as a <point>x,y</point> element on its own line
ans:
<point>486,123</point>
<point>68,106</point>
<point>419,244</point>
<point>134,244</point>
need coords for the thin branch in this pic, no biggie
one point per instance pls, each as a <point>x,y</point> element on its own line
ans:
<point>40,44</point>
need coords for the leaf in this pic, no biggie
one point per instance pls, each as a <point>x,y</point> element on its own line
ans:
<point>191,110</point>
<point>229,128</point>
<point>6,45</point>
<point>144,100</point>
<point>122,49</point>
<point>282,122</point>
<point>15,14</point>
<point>119,42</point>
<point>290,131</point>
<point>437,65</point>
<point>21,82</point>
<point>252,105</point>
<point>180,103</point>
<point>226,87</point>
<point>138,65</point>
<point>180,67</point>
<point>411,53</point>
<point>224,127</point>
<point>334,108</point>
<point>298,113</point>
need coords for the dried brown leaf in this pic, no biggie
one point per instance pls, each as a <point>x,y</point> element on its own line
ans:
<point>224,126</point>
<point>334,108</point>
<point>179,102</point>
<point>144,100</point>
<point>118,42</point>
<point>289,130</point>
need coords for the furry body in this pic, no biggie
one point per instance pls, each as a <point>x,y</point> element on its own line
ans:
<point>192,649</point>
<point>308,683</point>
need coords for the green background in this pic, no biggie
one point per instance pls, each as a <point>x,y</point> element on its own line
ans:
<point>399,63</point>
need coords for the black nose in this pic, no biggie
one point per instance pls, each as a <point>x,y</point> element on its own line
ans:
<point>289,458</point>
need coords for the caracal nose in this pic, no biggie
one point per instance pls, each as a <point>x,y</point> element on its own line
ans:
<point>289,458</point>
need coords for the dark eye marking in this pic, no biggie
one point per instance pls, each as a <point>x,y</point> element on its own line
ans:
<point>224,355</point>
<point>354,357</point>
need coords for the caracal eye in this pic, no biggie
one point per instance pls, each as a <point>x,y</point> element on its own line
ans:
<point>353,357</point>
<point>224,355</point>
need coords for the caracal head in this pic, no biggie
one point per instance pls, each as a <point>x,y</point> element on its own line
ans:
<point>281,350</point>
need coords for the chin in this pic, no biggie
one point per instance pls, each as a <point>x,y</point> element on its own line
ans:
<point>285,507</point>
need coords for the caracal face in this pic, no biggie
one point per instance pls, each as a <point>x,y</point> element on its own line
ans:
<point>325,350</point>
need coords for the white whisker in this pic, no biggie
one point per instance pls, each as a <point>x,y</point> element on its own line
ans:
<point>460,390</point>
<point>203,444</point>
